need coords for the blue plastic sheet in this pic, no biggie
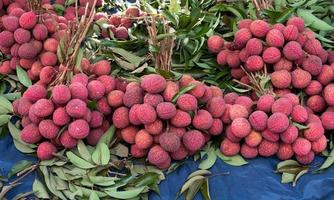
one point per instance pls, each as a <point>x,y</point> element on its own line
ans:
<point>256,180</point>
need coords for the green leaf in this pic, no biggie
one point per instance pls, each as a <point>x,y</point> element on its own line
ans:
<point>24,148</point>
<point>314,21</point>
<point>108,136</point>
<point>300,126</point>
<point>287,177</point>
<point>79,162</point>
<point>5,103</point>
<point>12,96</point>
<point>205,190</point>
<point>209,161</point>
<point>83,151</point>
<point>201,172</point>
<point>127,194</point>
<point>301,173</point>
<point>93,196</point>
<point>102,181</point>
<point>328,162</point>
<point>78,59</point>
<point>236,160</point>
<point>194,188</point>
<point>183,91</point>
<point>40,190</point>
<point>132,58</point>
<point>23,77</point>
<point>4,119</point>
<point>285,163</point>
<point>120,150</point>
<point>19,166</point>
<point>190,182</point>
<point>146,179</point>
<point>21,196</point>
<point>101,155</point>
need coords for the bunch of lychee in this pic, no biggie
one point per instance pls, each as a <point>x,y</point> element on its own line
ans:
<point>291,54</point>
<point>161,129</point>
<point>64,117</point>
<point>281,127</point>
<point>30,40</point>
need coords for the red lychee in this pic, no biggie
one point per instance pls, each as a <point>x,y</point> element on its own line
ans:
<point>193,140</point>
<point>215,43</point>
<point>229,148</point>
<point>278,122</point>
<point>45,151</point>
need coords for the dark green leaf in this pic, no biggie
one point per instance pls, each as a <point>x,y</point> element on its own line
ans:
<point>236,160</point>
<point>79,162</point>
<point>40,190</point>
<point>19,166</point>
<point>205,190</point>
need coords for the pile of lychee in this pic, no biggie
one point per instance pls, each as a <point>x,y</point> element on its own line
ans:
<point>270,126</point>
<point>64,117</point>
<point>161,129</point>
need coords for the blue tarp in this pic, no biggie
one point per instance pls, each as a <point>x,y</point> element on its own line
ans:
<point>256,180</point>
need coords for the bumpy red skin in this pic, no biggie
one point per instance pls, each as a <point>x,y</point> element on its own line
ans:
<point>96,119</point>
<point>143,139</point>
<point>48,129</point>
<point>121,117</point>
<point>254,47</point>
<point>298,22</point>
<point>258,120</point>
<point>270,136</point>
<point>115,98</point>
<point>61,94</point>
<point>217,127</point>
<point>254,63</point>
<point>299,114</point>
<point>271,55</point>
<point>300,78</point>
<point>241,37</point>
<point>78,91</point>
<point>326,75</point>
<point>259,28</point>
<point>316,103</point>
<point>185,80</point>
<point>180,154</point>
<point>222,57</point>
<point>45,151</point>
<point>180,119</point>
<point>314,131</point>
<point>278,122</point>
<point>281,79</point>
<point>108,81</point>
<point>169,141</point>
<point>208,95</point>
<point>319,145</point>
<point>96,90</point>
<point>94,136</point>
<point>289,135</point>
<point>313,65</point>
<point>80,78</point>
<point>290,33</point>
<point>153,83</point>
<point>237,111</point>
<point>285,151</point>
<point>306,159</point>
<point>275,38</point>
<point>313,88</point>
<point>215,43</point>
<point>233,59</point>
<point>230,135</point>
<point>155,127</point>
<point>76,108</point>
<point>171,89</point>
<point>216,106</point>
<point>30,134</point>
<point>202,120</point>
<point>230,97</point>
<point>128,134</point>
<point>102,67</point>
<point>267,148</point>
<point>245,23</point>
<point>157,155</point>
<point>240,127</point>
<point>327,119</point>
<point>282,105</point>
<point>253,139</point>
<point>313,46</point>
<point>22,36</point>
<point>229,148</point>
<point>187,102</point>
<point>328,94</point>
<point>79,129</point>
<point>265,103</point>
<point>283,64</point>
<point>193,140</point>
<point>133,96</point>
<point>293,51</point>
<point>28,20</point>
<point>40,32</point>
<point>153,99</point>
<point>10,23</point>
<point>150,113</point>
<point>248,152</point>
<point>43,108</point>
<point>301,146</point>
<point>137,152</point>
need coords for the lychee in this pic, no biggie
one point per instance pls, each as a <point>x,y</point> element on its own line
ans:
<point>137,152</point>
<point>96,90</point>
<point>326,75</point>
<point>187,102</point>
<point>40,32</point>
<point>215,43</point>
<point>265,103</point>
<point>217,127</point>
<point>28,20</point>
<point>313,65</point>
<point>275,38</point>
<point>300,78</point>
<point>43,108</point>
<point>254,63</point>
<point>313,46</point>
<point>305,159</point>
<point>259,28</point>
<point>314,131</point>
<point>153,83</point>
<point>166,110</point>
<point>283,64</point>
<point>242,36</point>
<point>285,151</point>
<point>78,129</point>
<point>258,120</point>
<point>27,51</point>
<point>157,155</point>
<point>153,99</point>
<point>222,57</point>
<point>48,129</point>
<point>169,141</point>
<point>282,105</point>
<point>319,145</point>
<point>60,117</point>
<point>301,146</point>
<point>271,55</point>
<point>267,148</point>
<point>133,96</point>
<point>290,33</point>
<point>193,140</point>
<point>254,47</point>
<point>313,88</point>
<point>30,134</point>
<point>179,154</point>
<point>270,136</point>
<point>155,127</point>
<point>128,134</point>
<point>253,139</point>
<point>22,36</point>
<point>120,117</point>
<point>143,139</point>
<point>10,23</point>
<point>61,94</point>
<point>278,122</point>
<point>46,150</point>
<point>328,94</point>
<point>298,22</point>
<point>316,103</point>
<point>171,89</point>
<point>230,135</point>
<point>202,120</point>
<point>115,98</point>
<point>248,152</point>
<point>293,51</point>
<point>150,114</point>
<point>229,148</point>
<point>76,108</point>
<point>327,119</point>
<point>240,127</point>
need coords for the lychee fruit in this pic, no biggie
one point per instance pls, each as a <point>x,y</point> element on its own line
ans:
<point>253,139</point>
<point>202,120</point>
<point>300,78</point>
<point>28,20</point>
<point>313,65</point>
<point>328,94</point>
<point>222,57</point>
<point>248,152</point>
<point>169,141</point>
<point>96,90</point>
<point>10,23</point>
<point>283,64</point>
<point>137,152</point>
<point>43,108</point>
<point>267,148</point>
<point>166,110</point>
<point>254,63</point>
<point>48,129</point>
<point>153,83</point>
<point>187,102</point>
<point>240,127</point>
<point>316,103</point>
<point>271,55</point>
<point>229,148</point>
<point>298,22</point>
<point>290,33</point>
<point>313,46</point>
<point>259,28</point>
<point>61,94</point>
<point>313,88</point>
<point>319,145</point>
<point>133,96</point>
<point>170,91</point>
<point>51,45</point>
<point>278,122</point>
<point>30,134</point>
<point>314,131</point>
<point>155,127</point>
<point>198,90</point>
<point>217,127</point>
<point>153,99</point>
<point>216,106</point>
<point>282,105</point>
<point>254,47</point>
<point>157,155</point>
<point>150,114</point>
<point>60,117</point>
<point>293,51</point>
<point>102,68</point>
<point>80,78</point>
<point>179,154</point>
<point>46,150</point>
<point>193,140</point>
<point>275,38</point>
<point>215,43</point>
<point>265,103</point>
<point>230,98</point>
<point>270,136</point>
<point>305,159</point>
<point>35,92</point>
<point>143,139</point>
<point>241,37</point>
<point>22,36</point>
<point>285,151</point>
<point>128,134</point>
<point>327,119</point>
<point>258,120</point>
<point>76,108</point>
<point>120,117</point>
<point>301,146</point>
<point>230,135</point>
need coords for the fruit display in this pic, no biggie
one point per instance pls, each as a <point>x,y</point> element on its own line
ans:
<point>120,98</point>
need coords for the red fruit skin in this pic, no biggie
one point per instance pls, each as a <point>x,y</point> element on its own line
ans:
<point>153,83</point>
<point>283,64</point>
<point>48,129</point>
<point>278,122</point>
<point>326,75</point>
<point>94,136</point>
<point>60,116</point>
<point>143,139</point>
<point>258,120</point>
<point>61,94</point>
<point>28,20</point>
<point>128,134</point>
<point>137,152</point>
<point>267,148</point>
<point>275,38</point>
<point>281,79</point>
<point>328,94</point>
<point>108,81</point>
<point>265,103</point>
<point>319,145</point>
<point>248,152</point>
<point>154,128</point>
<point>120,117</point>
<point>207,95</point>
<point>222,57</point>
<point>180,154</point>
<point>285,151</point>
<point>293,51</point>
<point>202,120</point>
<point>43,108</point>
<point>133,119</point>
<point>301,146</point>
<point>150,113</point>
<point>102,67</point>
<point>236,111</point>
<point>96,90</point>
<point>22,36</point>
<point>327,119</point>
<point>216,128</point>
<point>313,88</point>
<point>230,98</point>
<point>254,63</point>
<point>298,22</point>
<point>198,90</point>
<point>230,135</point>
<point>171,89</point>
<point>169,141</point>
<point>314,131</point>
<point>216,106</point>
<point>78,91</point>
<point>253,139</point>
<point>241,37</point>
<point>229,148</point>
<point>30,134</point>
<point>245,23</point>
<point>40,32</point>
<point>240,127</point>
<point>271,55</point>
<point>133,96</point>
<point>254,47</point>
<point>313,65</point>
<point>76,108</point>
<point>187,102</point>
<point>290,33</point>
<point>166,110</point>
<point>290,135</point>
<point>313,46</point>
<point>233,59</point>
<point>259,28</point>
<point>299,114</point>
<point>78,129</point>
<point>305,159</point>
<point>153,99</point>
<point>45,151</point>
<point>215,43</point>
<point>270,136</point>
<point>157,155</point>
<point>193,140</point>
<point>115,98</point>
<point>282,105</point>
<point>316,103</point>
<point>300,78</point>
<point>80,78</point>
